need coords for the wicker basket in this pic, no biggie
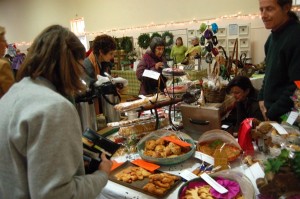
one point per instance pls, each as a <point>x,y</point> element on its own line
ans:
<point>214,96</point>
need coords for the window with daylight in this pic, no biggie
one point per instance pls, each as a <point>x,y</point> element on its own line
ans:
<point>78,28</point>
<point>296,2</point>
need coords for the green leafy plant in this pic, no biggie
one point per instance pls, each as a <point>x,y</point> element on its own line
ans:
<point>296,163</point>
<point>215,143</point>
<point>274,164</point>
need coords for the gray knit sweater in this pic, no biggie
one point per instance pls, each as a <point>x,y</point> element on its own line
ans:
<point>41,147</point>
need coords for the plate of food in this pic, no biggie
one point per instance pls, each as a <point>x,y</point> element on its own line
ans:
<point>165,147</point>
<point>211,141</point>
<point>169,72</point>
<point>238,186</point>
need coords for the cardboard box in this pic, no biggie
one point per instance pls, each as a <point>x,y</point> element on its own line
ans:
<point>197,120</point>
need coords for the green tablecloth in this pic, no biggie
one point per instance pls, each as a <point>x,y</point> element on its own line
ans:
<point>134,84</point>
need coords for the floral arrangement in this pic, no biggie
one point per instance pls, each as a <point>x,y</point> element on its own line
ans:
<point>132,56</point>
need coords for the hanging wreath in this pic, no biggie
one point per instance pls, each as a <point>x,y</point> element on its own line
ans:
<point>155,34</point>
<point>168,37</point>
<point>126,44</point>
<point>118,44</point>
<point>144,40</point>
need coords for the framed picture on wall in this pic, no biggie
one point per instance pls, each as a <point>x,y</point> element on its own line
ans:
<point>233,29</point>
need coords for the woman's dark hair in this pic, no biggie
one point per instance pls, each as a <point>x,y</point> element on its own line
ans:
<point>291,14</point>
<point>242,82</point>
<point>156,41</point>
<point>104,43</point>
<point>55,55</point>
<point>179,38</point>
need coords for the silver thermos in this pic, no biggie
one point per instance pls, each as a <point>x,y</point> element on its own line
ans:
<point>87,115</point>
<point>86,110</point>
<point>109,98</point>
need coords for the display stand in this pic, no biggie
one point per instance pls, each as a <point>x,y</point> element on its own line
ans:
<point>172,75</point>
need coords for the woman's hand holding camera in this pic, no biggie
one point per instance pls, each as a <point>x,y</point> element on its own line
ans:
<point>105,164</point>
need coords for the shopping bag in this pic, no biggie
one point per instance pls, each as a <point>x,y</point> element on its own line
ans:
<point>244,136</point>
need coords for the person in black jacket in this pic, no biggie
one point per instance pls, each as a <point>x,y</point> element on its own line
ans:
<point>282,51</point>
<point>247,105</point>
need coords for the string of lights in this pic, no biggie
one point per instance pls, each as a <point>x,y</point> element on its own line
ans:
<point>168,25</point>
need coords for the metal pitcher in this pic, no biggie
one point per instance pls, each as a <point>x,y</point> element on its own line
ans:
<point>87,114</point>
<point>109,98</point>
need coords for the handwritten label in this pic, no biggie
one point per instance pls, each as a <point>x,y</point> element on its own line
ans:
<point>188,175</point>
<point>126,157</point>
<point>254,172</point>
<point>279,128</point>
<point>206,158</point>
<point>146,165</point>
<point>176,141</point>
<point>292,117</point>
<point>219,188</point>
<point>151,74</point>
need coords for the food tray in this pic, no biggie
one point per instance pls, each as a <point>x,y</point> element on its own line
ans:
<point>139,184</point>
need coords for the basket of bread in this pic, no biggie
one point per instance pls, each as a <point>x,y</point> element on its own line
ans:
<point>165,147</point>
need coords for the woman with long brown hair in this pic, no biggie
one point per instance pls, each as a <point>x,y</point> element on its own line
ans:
<point>40,131</point>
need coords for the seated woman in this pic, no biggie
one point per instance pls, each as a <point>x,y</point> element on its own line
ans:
<point>246,100</point>
<point>154,60</point>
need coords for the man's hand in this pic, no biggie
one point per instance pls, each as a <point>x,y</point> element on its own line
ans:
<point>263,110</point>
